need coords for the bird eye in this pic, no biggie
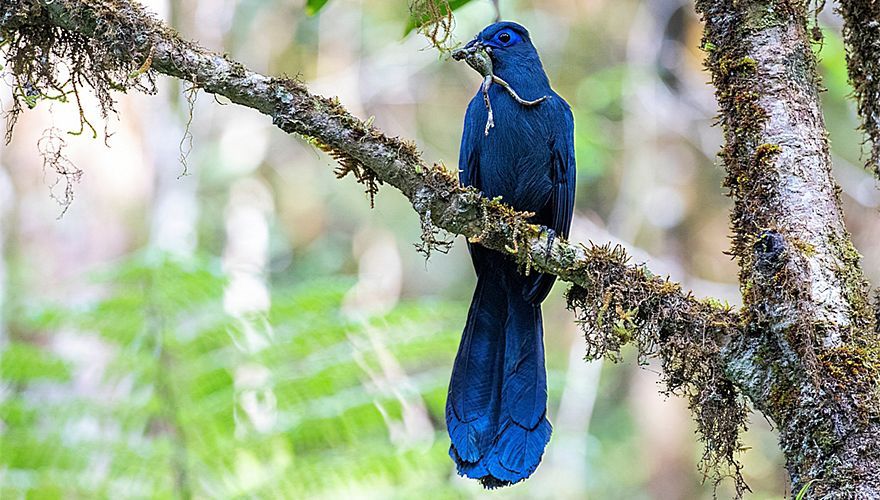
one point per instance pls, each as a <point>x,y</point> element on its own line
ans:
<point>504,37</point>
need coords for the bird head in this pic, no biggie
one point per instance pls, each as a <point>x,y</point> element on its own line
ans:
<point>503,47</point>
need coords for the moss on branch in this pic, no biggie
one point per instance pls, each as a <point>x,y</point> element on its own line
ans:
<point>42,35</point>
<point>626,304</point>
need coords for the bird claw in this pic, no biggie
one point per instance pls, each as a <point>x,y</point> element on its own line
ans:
<point>551,237</point>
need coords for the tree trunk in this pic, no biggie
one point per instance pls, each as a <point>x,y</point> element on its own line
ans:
<point>808,356</point>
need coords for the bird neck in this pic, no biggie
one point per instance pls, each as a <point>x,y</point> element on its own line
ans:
<point>527,78</point>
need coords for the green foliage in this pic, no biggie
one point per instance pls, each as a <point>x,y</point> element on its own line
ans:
<point>599,111</point>
<point>178,381</point>
<point>314,6</point>
<point>803,492</point>
<point>23,363</point>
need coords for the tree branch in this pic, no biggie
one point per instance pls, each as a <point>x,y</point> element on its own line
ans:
<point>432,189</point>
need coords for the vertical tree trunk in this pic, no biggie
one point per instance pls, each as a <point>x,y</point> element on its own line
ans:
<point>808,357</point>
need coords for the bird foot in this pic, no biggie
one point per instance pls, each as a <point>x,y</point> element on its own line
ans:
<point>551,238</point>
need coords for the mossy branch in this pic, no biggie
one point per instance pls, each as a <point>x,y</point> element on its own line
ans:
<point>433,190</point>
<point>861,33</point>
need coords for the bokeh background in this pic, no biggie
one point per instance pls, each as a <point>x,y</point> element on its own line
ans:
<point>239,323</point>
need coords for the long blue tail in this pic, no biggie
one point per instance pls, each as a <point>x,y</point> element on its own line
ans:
<point>496,410</point>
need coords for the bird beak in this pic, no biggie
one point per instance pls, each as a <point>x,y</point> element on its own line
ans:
<point>476,55</point>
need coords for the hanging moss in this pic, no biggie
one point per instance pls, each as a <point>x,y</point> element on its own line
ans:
<point>625,304</point>
<point>37,50</point>
<point>433,19</point>
<point>47,63</point>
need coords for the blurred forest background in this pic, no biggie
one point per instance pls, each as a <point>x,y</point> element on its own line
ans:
<point>252,328</point>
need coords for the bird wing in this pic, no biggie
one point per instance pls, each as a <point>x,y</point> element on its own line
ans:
<point>564,178</point>
<point>558,212</point>
<point>468,153</point>
<point>469,159</point>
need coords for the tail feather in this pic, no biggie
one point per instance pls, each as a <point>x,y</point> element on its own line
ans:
<point>471,407</point>
<point>497,403</point>
<point>525,379</point>
<point>518,451</point>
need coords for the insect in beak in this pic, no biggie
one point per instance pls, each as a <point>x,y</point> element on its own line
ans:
<point>478,56</point>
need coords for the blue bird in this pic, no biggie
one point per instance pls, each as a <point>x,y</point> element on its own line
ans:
<point>517,143</point>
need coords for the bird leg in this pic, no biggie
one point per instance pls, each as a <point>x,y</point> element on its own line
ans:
<point>551,237</point>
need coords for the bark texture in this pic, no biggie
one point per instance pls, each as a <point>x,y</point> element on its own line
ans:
<point>804,348</point>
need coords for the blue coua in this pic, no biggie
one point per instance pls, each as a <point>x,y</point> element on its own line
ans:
<point>518,143</point>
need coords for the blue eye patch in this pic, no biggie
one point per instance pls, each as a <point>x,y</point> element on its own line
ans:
<point>504,38</point>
